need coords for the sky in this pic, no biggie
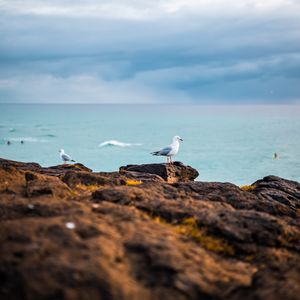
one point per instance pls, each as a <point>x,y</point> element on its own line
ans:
<point>163,51</point>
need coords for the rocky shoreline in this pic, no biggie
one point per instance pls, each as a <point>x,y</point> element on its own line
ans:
<point>145,232</point>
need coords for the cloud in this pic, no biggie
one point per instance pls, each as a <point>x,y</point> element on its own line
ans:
<point>81,89</point>
<point>143,10</point>
<point>145,51</point>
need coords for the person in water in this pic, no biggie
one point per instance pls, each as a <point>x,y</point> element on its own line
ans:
<point>22,142</point>
<point>276,156</point>
<point>8,142</point>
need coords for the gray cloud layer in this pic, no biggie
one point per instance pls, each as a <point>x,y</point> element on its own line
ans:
<point>141,51</point>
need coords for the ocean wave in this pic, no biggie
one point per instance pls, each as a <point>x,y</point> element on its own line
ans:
<point>26,139</point>
<point>48,135</point>
<point>115,143</point>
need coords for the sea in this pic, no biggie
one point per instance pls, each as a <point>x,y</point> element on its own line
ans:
<point>230,143</point>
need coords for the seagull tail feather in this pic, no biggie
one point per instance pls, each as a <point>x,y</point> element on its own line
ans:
<point>155,153</point>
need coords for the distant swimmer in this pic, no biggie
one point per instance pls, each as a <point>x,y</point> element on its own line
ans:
<point>276,156</point>
<point>65,157</point>
<point>22,142</point>
<point>8,142</point>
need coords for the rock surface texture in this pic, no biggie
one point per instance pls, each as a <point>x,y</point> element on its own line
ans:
<point>69,233</point>
<point>171,173</point>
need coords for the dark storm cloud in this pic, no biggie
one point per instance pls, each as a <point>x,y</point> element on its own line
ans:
<point>181,51</point>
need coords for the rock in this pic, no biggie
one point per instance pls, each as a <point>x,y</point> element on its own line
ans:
<point>41,185</point>
<point>62,169</point>
<point>54,171</point>
<point>74,178</point>
<point>278,190</point>
<point>69,233</point>
<point>241,199</point>
<point>144,177</point>
<point>241,227</point>
<point>5,163</point>
<point>176,172</point>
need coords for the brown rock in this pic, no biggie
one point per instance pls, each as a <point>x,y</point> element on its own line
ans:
<point>54,171</point>
<point>279,190</point>
<point>176,172</point>
<point>40,185</point>
<point>135,236</point>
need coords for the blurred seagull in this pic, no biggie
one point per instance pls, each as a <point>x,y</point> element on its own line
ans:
<point>65,157</point>
<point>171,150</point>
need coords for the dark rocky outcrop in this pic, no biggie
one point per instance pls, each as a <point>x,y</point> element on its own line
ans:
<point>273,188</point>
<point>51,171</point>
<point>171,173</point>
<point>69,233</point>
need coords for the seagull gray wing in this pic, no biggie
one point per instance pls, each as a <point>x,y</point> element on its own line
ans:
<point>66,157</point>
<point>165,151</point>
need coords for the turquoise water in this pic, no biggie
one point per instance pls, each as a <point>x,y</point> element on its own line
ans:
<point>225,143</point>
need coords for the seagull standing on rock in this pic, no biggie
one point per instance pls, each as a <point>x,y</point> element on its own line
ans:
<point>65,157</point>
<point>171,150</point>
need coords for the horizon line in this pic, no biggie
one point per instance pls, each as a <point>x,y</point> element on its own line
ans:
<point>161,103</point>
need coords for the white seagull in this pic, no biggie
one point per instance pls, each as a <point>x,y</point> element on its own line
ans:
<point>65,157</point>
<point>171,150</point>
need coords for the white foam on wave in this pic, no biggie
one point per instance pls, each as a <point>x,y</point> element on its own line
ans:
<point>116,143</point>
